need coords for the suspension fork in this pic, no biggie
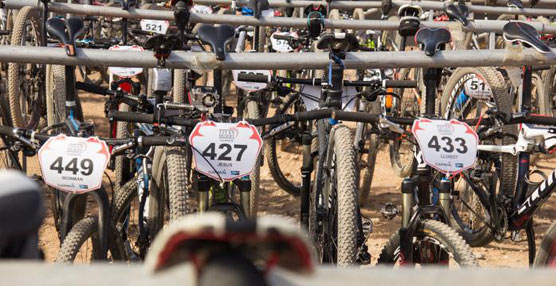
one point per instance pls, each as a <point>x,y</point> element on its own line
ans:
<point>306,171</point>
<point>71,203</point>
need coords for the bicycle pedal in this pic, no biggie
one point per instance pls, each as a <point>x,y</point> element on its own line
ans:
<point>364,257</point>
<point>367,228</point>
<point>389,211</point>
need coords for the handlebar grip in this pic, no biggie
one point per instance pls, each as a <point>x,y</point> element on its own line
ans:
<point>131,117</point>
<point>283,37</point>
<point>159,141</point>
<point>92,88</point>
<point>400,83</point>
<point>253,77</point>
<point>355,116</point>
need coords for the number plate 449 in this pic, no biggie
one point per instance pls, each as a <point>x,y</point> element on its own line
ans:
<point>225,151</point>
<point>449,146</point>
<point>73,164</point>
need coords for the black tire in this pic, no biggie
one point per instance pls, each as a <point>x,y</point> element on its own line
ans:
<point>169,193</point>
<point>547,100</point>
<point>252,112</point>
<point>230,269</point>
<point>400,150</point>
<point>122,167</point>
<point>340,228</point>
<point>56,96</point>
<point>179,91</point>
<point>369,167</point>
<point>480,235</point>
<point>25,106</point>
<point>271,155</point>
<point>449,241</point>
<point>82,231</point>
<point>546,254</point>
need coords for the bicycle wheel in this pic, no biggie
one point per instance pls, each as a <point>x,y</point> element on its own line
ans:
<point>169,193</point>
<point>56,96</point>
<point>179,91</point>
<point>123,168</point>
<point>434,243</point>
<point>547,100</point>
<point>400,150</point>
<point>337,243</point>
<point>8,158</point>
<point>546,255</point>
<point>276,163</point>
<point>24,80</point>
<point>81,243</point>
<point>372,151</point>
<point>252,112</point>
<point>469,217</point>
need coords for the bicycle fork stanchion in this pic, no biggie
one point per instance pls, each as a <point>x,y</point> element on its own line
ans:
<point>306,171</point>
<point>70,204</point>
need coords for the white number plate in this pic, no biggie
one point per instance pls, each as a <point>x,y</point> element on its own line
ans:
<point>250,86</point>
<point>201,9</point>
<point>449,146</point>
<point>73,164</point>
<point>125,72</point>
<point>477,88</point>
<point>280,45</point>
<point>225,151</point>
<point>155,26</point>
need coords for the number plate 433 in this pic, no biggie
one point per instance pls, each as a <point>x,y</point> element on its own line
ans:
<point>73,164</point>
<point>225,151</point>
<point>449,146</point>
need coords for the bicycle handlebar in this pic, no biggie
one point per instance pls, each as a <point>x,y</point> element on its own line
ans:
<point>92,88</point>
<point>317,81</point>
<point>150,118</point>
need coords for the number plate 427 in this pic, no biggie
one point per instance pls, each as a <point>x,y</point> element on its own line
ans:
<point>449,146</point>
<point>73,164</point>
<point>225,151</point>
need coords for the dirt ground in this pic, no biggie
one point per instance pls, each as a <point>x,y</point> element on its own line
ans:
<point>385,189</point>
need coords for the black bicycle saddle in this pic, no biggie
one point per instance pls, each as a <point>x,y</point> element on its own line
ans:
<point>522,32</point>
<point>21,214</point>
<point>217,37</point>
<point>338,42</point>
<point>459,12</point>
<point>430,39</point>
<point>258,6</point>
<point>163,45</point>
<point>66,31</point>
<point>515,4</point>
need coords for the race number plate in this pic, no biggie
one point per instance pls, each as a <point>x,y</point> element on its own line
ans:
<point>448,146</point>
<point>250,86</point>
<point>201,9</point>
<point>477,88</point>
<point>73,164</point>
<point>280,45</point>
<point>155,26</point>
<point>225,151</point>
<point>125,72</point>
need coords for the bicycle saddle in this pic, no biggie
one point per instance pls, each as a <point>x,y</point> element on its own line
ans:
<point>258,6</point>
<point>271,240</point>
<point>189,2</point>
<point>522,32</point>
<point>66,31</point>
<point>430,39</point>
<point>21,214</point>
<point>217,37</point>
<point>338,42</point>
<point>458,12</point>
<point>409,19</point>
<point>515,4</point>
<point>163,45</point>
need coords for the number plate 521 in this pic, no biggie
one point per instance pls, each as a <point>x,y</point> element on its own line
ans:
<point>225,151</point>
<point>73,164</point>
<point>449,146</point>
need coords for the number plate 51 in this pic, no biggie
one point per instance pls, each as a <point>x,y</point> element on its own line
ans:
<point>225,151</point>
<point>449,146</point>
<point>73,164</point>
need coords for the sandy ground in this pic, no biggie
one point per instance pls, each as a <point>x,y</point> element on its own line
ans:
<point>385,190</point>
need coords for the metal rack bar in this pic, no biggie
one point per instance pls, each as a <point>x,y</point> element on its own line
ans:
<point>429,5</point>
<point>207,61</point>
<point>477,26</point>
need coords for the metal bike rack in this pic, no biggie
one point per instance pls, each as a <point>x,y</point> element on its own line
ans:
<point>477,26</point>
<point>428,5</point>
<point>207,61</point>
